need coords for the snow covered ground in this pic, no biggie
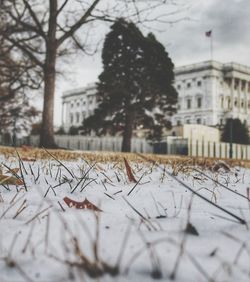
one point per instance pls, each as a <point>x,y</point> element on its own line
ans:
<point>141,232</point>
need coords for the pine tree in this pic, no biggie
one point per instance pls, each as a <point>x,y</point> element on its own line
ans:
<point>235,131</point>
<point>135,89</point>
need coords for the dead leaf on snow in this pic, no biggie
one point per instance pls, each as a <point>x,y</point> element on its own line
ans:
<point>11,180</point>
<point>86,204</point>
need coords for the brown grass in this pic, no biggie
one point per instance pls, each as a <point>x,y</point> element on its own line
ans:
<point>104,157</point>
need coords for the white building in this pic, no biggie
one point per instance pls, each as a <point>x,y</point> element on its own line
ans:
<point>78,104</point>
<point>209,92</point>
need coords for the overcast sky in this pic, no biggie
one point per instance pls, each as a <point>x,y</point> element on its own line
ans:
<point>185,41</point>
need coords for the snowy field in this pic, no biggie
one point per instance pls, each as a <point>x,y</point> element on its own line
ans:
<point>137,223</point>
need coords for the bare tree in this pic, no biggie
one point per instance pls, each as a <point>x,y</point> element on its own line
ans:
<point>42,31</point>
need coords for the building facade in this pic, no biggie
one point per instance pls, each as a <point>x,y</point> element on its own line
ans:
<point>208,93</point>
<point>78,104</point>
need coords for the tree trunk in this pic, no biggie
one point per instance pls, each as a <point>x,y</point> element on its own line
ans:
<point>128,131</point>
<point>47,132</point>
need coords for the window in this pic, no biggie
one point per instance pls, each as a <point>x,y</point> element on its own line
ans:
<point>243,85</point>
<point>178,87</point>
<point>188,103</point>
<point>198,121</point>
<point>188,121</point>
<point>77,117</point>
<point>78,104</point>
<point>242,104</point>
<point>71,118</point>
<point>72,105</point>
<point>229,103</point>
<point>178,122</point>
<point>222,102</point>
<point>235,103</point>
<point>188,85</point>
<point>199,102</point>
<point>199,83</point>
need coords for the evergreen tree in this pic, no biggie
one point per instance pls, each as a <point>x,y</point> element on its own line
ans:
<point>235,131</point>
<point>135,89</point>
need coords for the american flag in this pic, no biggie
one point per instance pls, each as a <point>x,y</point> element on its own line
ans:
<point>208,33</point>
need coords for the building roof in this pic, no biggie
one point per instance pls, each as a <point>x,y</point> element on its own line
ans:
<point>227,68</point>
<point>213,65</point>
<point>79,91</point>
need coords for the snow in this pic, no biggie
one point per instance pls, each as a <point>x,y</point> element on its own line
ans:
<point>39,246</point>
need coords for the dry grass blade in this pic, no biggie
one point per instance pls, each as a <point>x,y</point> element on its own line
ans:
<point>42,211</point>
<point>137,182</point>
<point>220,184</point>
<point>130,174</point>
<point>239,219</point>
<point>56,159</point>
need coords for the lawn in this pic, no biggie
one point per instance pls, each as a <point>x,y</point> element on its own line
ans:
<point>81,216</point>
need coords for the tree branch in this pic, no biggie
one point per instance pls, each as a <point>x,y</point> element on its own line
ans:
<point>34,17</point>
<point>78,24</point>
<point>62,7</point>
<point>26,51</point>
<point>26,26</point>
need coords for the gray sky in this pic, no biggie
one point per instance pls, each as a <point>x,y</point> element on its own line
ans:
<point>185,41</point>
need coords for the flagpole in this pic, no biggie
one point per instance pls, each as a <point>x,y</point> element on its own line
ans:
<point>211,46</point>
<point>209,34</point>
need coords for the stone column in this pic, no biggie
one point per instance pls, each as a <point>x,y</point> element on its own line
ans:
<point>232,93</point>
<point>245,96</point>
<point>63,105</point>
<point>239,95</point>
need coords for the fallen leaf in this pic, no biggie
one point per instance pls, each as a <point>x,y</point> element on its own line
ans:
<point>86,204</point>
<point>11,180</point>
<point>130,174</point>
<point>14,170</point>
